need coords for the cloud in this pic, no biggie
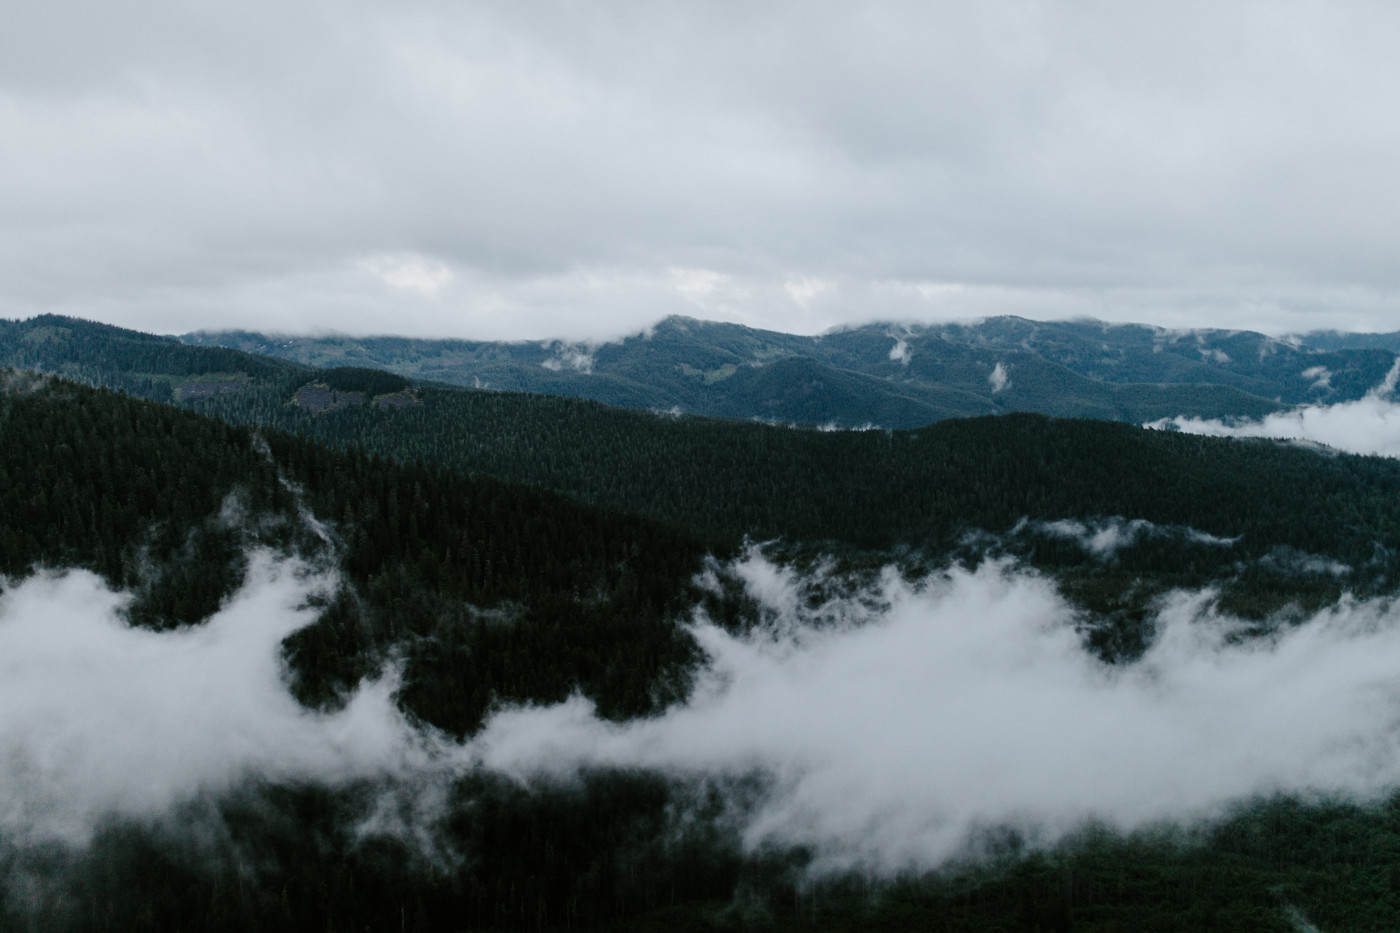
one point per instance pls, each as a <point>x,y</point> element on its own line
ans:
<point>578,359</point>
<point>998,378</point>
<point>1369,425</point>
<point>888,725</point>
<point>410,273</point>
<point>1320,375</point>
<point>900,351</point>
<point>895,725</point>
<point>1103,540</point>
<point>1106,537</point>
<point>831,427</point>
<point>99,719</point>
<point>1292,562</point>
<point>490,170</point>
<point>805,289</point>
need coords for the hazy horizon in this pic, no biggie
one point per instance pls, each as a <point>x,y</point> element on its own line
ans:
<point>320,332</point>
<point>492,171</point>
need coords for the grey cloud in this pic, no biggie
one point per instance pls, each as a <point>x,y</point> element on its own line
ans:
<point>564,170</point>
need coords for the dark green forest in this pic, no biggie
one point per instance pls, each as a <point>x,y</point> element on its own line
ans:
<point>919,492</point>
<point>95,479</point>
<point>583,527</point>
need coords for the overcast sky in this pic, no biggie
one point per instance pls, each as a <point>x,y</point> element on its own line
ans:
<point>583,169</point>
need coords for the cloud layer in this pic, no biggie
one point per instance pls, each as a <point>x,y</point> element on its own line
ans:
<point>887,727</point>
<point>99,719</point>
<point>494,170</point>
<point>898,724</point>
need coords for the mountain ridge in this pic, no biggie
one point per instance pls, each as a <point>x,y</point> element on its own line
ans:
<point>891,375</point>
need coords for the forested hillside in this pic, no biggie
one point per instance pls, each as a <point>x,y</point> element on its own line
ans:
<point>1336,340</point>
<point>880,489</point>
<point>891,375</point>
<point>165,503</point>
<point>492,592</point>
<point>143,364</point>
<point>871,491</point>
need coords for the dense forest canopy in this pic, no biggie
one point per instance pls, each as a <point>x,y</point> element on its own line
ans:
<point>924,488</point>
<point>142,493</point>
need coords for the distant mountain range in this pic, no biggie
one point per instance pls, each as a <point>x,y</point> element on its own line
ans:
<point>887,375</point>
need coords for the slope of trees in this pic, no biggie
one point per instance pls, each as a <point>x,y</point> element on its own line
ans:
<point>602,855</point>
<point>923,490</point>
<point>733,478</point>
<point>164,502</point>
<point>874,491</point>
<point>371,382</point>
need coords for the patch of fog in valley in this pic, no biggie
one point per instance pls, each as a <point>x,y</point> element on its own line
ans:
<point>899,723</point>
<point>1368,425</point>
<point>887,726</point>
<point>101,720</point>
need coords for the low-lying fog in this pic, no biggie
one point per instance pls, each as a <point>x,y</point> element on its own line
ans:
<point>1369,425</point>
<point>890,726</point>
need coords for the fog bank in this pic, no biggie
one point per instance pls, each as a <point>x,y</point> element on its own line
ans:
<point>99,719</point>
<point>898,724</point>
<point>887,727</point>
<point>1368,425</point>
